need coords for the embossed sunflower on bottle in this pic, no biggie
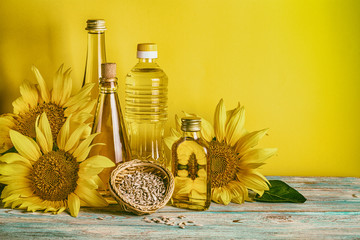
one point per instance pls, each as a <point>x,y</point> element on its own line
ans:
<point>58,104</point>
<point>234,158</point>
<point>191,168</point>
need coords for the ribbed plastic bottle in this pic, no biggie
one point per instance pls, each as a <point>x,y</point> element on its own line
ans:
<point>109,123</point>
<point>96,54</point>
<point>146,90</point>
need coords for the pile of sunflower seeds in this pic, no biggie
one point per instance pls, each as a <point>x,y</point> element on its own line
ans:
<point>172,221</point>
<point>142,188</point>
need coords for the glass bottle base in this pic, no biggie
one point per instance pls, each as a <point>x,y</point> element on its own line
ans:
<point>199,206</point>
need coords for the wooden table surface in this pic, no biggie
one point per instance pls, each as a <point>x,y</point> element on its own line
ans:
<point>332,211</point>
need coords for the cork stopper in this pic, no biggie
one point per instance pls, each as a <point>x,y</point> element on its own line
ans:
<point>108,70</point>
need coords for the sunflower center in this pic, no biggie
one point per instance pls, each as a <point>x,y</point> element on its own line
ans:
<point>54,175</point>
<point>193,166</point>
<point>223,164</point>
<point>26,121</point>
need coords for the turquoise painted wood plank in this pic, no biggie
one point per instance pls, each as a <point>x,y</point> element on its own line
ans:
<point>331,212</point>
<point>249,225</point>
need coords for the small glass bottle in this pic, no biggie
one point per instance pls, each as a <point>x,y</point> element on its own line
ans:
<point>146,95</point>
<point>191,168</point>
<point>109,123</point>
<point>96,54</point>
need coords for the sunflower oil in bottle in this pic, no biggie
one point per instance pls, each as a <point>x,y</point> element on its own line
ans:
<point>96,54</point>
<point>191,168</point>
<point>146,105</point>
<point>109,123</point>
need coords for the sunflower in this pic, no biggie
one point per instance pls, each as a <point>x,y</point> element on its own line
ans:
<point>50,177</point>
<point>58,104</point>
<point>190,176</point>
<point>234,160</point>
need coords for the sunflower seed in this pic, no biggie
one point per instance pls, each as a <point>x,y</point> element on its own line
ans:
<point>190,221</point>
<point>181,216</point>
<point>100,218</point>
<point>143,188</point>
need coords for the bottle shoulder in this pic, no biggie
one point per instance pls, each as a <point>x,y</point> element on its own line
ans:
<point>198,143</point>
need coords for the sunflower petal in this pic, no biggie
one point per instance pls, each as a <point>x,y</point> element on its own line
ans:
<point>249,140</point>
<point>235,126</point>
<point>63,134</point>
<point>40,137</point>
<point>81,117</point>
<point>57,86</point>
<point>83,93</point>
<point>97,161</point>
<point>169,141</point>
<point>74,138</point>
<point>20,105</point>
<point>29,94</point>
<point>83,146</point>
<point>26,146</point>
<point>230,113</point>
<point>226,196</point>
<point>255,157</point>
<point>80,104</point>
<point>177,123</point>
<point>67,87</point>
<point>74,204</point>
<point>45,127</point>
<point>207,130</point>
<point>87,182</point>
<point>44,91</point>
<point>253,181</point>
<point>14,169</point>
<point>90,196</point>
<point>219,121</point>
<point>183,186</point>
<point>13,158</point>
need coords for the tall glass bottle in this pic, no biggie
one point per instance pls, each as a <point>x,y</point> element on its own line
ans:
<point>146,105</point>
<point>109,123</point>
<point>96,54</point>
<point>191,168</point>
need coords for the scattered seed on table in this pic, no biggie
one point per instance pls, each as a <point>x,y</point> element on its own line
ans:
<point>100,218</point>
<point>190,221</point>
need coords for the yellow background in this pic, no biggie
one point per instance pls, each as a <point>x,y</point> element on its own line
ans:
<point>293,64</point>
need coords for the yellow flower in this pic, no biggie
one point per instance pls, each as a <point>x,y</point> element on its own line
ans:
<point>43,176</point>
<point>195,189</point>
<point>234,160</point>
<point>58,104</point>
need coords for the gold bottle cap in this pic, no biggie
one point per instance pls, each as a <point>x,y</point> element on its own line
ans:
<point>95,24</point>
<point>147,47</point>
<point>147,50</point>
<point>108,70</point>
<point>190,124</point>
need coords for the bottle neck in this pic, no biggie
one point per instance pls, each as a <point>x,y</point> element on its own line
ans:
<point>108,85</point>
<point>147,60</point>
<point>95,55</point>
<point>193,135</point>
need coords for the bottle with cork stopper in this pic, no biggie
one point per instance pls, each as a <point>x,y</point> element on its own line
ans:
<point>109,123</point>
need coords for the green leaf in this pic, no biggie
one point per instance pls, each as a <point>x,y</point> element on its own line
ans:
<point>281,192</point>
